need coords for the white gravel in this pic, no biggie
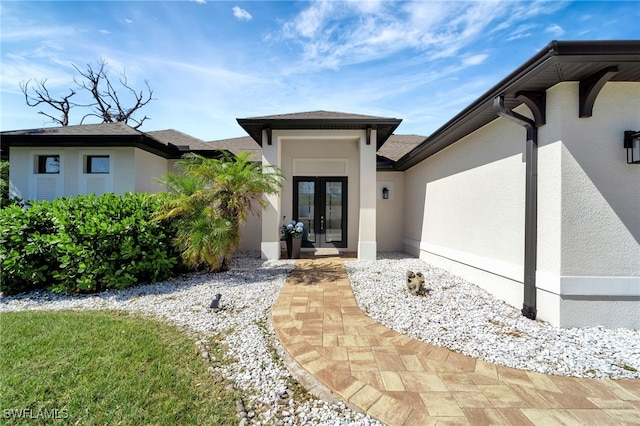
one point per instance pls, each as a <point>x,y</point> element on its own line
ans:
<point>248,291</point>
<point>465,318</point>
<point>456,314</point>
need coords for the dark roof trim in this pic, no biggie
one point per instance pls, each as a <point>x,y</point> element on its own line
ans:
<point>94,141</point>
<point>384,126</point>
<point>558,61</point>
<point>143,141</point>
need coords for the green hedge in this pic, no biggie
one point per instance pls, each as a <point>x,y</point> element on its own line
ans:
<point>84,244</point>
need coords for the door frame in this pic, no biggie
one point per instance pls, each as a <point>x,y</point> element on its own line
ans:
<point>320,202</point>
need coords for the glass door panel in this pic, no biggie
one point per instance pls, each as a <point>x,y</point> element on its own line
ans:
<point>321,205</point>
<point>306,209</point>
<point>333,210</point>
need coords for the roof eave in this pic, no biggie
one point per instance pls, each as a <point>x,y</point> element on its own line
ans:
<point>254,127</point>
<point>552,54</point>
<point>107,141</point>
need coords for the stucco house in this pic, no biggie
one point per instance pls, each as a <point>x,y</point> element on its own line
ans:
<point>527,192</point>
<point>52,162</point>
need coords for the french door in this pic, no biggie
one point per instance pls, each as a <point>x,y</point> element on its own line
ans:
<point>320,203</point>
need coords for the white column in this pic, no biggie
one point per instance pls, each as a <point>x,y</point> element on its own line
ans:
<point>367,249</point>
<point>270,245</point>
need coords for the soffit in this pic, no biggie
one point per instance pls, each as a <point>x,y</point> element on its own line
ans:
<point>558,62</point>
<point>320,120</point>
<point>165,143</point>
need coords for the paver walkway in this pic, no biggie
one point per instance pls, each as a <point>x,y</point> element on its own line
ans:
<point>402,381</point>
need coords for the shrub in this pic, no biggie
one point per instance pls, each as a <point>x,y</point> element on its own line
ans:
<point>84,244</point>
<point>4,187</point>
<point>210,199</point>
<point>4,180</point>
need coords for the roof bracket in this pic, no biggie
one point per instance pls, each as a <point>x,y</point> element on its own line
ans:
<point>369,135</point>
<point>590,88</point>
<point>537,103</point>
<point>268,129</point>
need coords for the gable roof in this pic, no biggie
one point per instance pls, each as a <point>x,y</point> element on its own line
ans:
<point>102,129</point>
<point>559,61</point>
<point>236,145</point>
<point>398,145</point>
<point>180,140</point>
<point>395,147</point>
<point>164,143</point>
<point>320,120</point>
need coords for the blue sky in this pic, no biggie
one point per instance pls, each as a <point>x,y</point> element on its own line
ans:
<point>210,62</point>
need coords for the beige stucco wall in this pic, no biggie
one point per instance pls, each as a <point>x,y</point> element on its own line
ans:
<point>390,212</point>
<point>322,153</point>
<point>148,169</point>
<point>251,233</point>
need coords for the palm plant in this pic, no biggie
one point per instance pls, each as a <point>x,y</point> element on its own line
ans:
<point>210,200</point>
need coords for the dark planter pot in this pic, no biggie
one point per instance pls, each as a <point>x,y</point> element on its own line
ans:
<point>293,247</point>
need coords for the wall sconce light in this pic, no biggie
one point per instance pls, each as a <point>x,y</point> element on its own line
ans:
<point>385,193</point>
<point>632,145</point>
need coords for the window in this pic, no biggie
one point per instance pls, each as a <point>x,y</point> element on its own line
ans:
<point>48,164</point>
<point>97,164</point>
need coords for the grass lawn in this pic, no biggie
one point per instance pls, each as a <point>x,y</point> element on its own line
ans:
<point>104,367</point>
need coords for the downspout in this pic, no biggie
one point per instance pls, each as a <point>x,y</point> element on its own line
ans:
<point>529,307</point>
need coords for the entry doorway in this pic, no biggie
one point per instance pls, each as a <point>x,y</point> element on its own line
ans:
<point>320,203</point>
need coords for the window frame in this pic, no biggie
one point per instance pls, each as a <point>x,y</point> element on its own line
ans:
<point>41,164</point>
<point>89,165</point>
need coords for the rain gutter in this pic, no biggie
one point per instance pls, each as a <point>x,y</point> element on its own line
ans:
<point>529,305</point>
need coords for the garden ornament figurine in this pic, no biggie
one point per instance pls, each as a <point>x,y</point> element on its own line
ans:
<point>215,303</point>
<point>415,284</point>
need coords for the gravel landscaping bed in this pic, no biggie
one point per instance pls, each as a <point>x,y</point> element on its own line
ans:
<point>456,314</point>
<point>463,317</point>
<point>249,289</point>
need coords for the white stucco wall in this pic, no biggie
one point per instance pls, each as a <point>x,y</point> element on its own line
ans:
<point>465,209</point>
<point>589,220</point>
<point>390,212</point>
<point>72,180</point>
<point>18,177</point>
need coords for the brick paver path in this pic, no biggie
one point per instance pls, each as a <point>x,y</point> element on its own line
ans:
<point>402,381</point>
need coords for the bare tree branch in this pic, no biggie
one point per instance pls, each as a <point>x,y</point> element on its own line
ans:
<point>40,95</point>
<point>106,104</point>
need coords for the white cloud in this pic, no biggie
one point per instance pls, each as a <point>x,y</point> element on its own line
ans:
<point>21,70</point>
<point>335,34</point>
<point>27,33</point>
<point>522,31</point>
<point>241,14</point>
<point>475,59</point>
<point>200,1</point>
<point>128,21</point>
<point>368,6</point>
<point>555,30</point>
<point>106,32</point>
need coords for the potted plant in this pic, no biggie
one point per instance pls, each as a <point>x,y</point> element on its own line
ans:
<point>292,234</point>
